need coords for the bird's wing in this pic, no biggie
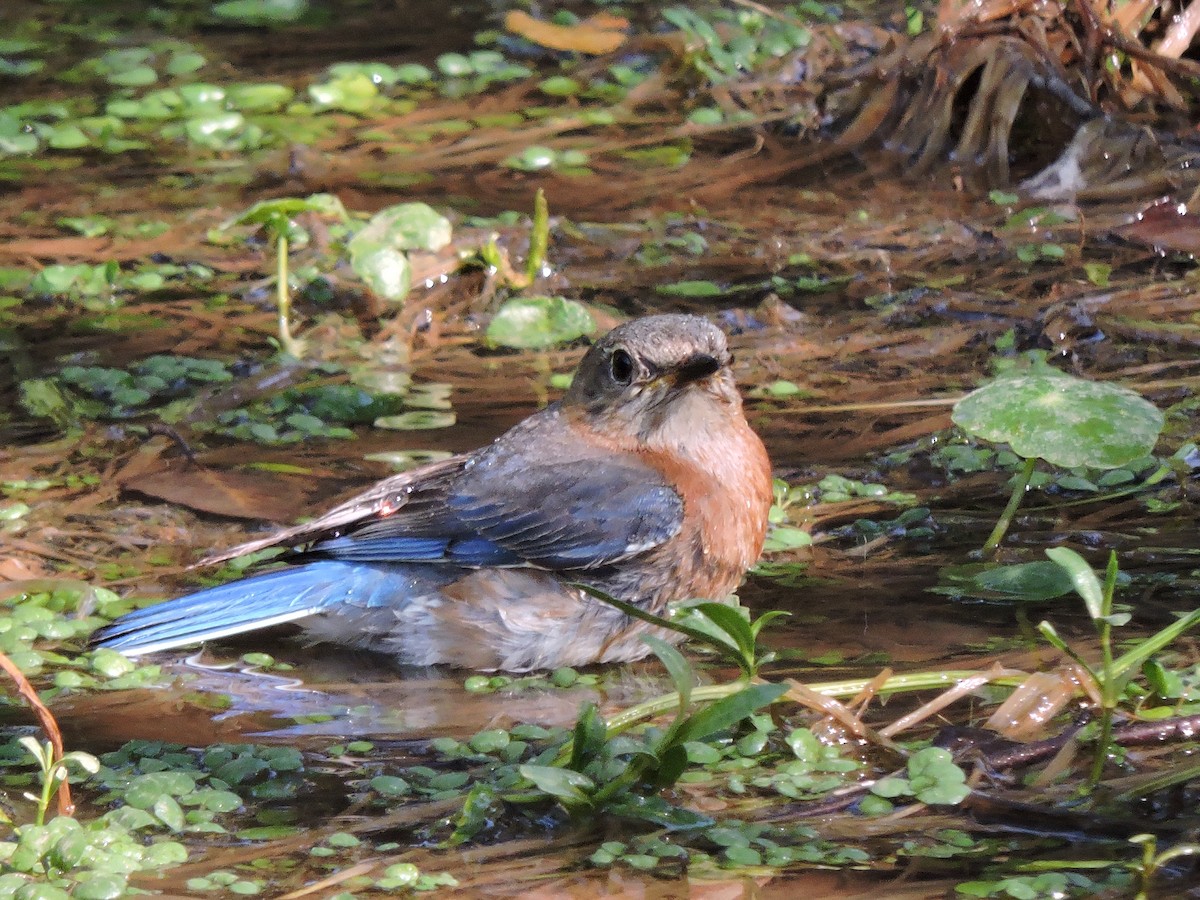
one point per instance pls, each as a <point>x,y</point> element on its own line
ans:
<point>577,515</point>
<point>560,501</point>
<point>539,495</point>
<point>419,493</point>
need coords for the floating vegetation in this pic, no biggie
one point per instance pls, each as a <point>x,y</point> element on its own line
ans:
<point>872,210</point>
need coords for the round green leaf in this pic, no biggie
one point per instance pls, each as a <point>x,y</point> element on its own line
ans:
<point>390,785</point>
<point>260,97</point>
<point>490,741</point>
<point>454,65</point>
<point>406,226</point>
<point>96,886</point>
<point>169,812</point>
<point>1025,581</point>
<point>138,76</point>
<point>212,130</point>
<point>560,86</point>
<point>186,62</point>
<point>38,891</point>
<point>214,800</point>
<point>532,159</point>
<point>1062,419</point>
<point>385,271</point>
<point>416,420</point>
<point>260,12</point>
<point>146,790</point>
<point>532,323</point>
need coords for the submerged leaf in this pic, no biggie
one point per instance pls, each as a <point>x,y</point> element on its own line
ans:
<point>1024,581</point>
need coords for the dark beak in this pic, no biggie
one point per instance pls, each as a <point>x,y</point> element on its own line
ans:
<point>699,366</point>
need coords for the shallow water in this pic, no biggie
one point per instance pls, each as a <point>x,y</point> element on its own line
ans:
<point>919,284</point>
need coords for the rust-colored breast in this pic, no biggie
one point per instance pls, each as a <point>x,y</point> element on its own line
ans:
<point>724,479</point>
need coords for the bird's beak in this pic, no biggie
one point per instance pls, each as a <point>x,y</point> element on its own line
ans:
<point>699,366</point>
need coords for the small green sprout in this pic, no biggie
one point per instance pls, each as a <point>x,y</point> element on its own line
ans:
<point>277,220</point>
<point>1114,674</point>
<point>53,772</point>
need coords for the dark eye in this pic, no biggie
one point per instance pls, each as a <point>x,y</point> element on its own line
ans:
<point>622,367</point>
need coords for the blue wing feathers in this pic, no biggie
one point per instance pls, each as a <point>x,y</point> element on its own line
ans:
<point>472,551</point>
<point>385,549</point>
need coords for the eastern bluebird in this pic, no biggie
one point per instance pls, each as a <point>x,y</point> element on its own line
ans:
<point>645,482</point>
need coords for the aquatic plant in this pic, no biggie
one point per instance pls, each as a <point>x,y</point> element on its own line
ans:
<point>1042,413</point>
<point>1112,676</point>
<point>277,219</point>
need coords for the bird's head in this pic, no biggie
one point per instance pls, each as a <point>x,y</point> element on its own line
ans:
<point>659,372</point>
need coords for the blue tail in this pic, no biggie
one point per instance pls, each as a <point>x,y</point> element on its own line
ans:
<point>282,595</point>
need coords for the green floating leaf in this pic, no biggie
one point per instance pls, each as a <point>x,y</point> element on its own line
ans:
<point>270,212</point>
<point>455,65</point>
<point>935,778</point>
<point>354,93</point>
<point>560,86</point>
<point>533,159</point>
<point>185,62</point>
<point>214,129</point>
<point>146,790</point>
<point>377,72</point>
<point>377,250</point>
<point>100,886</point>
<point>259,97</point>
<point>390,785</point>
<point>385,270</point>
<point>406,226</point>
<point>260,12</point>
<point>786,538</point>
<point>1024,581</point>
<point>534,323</point>
<point>1098,273</point>
<point>690,289</point>
<point>1064,420</point>
<point>137,76</point>
<point>417,420</point>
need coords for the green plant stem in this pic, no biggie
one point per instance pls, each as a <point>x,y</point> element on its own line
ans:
<point>1110,682</point>
<point>283,296</point>
<point>1010,510</point>
<point>1102,744</point>
<point>539,236</point>
<point>48,785</point>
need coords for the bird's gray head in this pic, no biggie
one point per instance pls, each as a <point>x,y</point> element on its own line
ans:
<point>647,370</point>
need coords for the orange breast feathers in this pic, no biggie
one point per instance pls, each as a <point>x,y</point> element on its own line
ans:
<point>725,483</point>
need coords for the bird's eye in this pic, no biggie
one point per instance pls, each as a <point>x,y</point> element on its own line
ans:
<point>622,367</point>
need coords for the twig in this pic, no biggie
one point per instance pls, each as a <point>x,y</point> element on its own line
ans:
<point>46,718</point>
<point>1184,728</point>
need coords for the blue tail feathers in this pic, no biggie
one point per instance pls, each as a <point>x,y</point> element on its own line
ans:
<point>282,595</point>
